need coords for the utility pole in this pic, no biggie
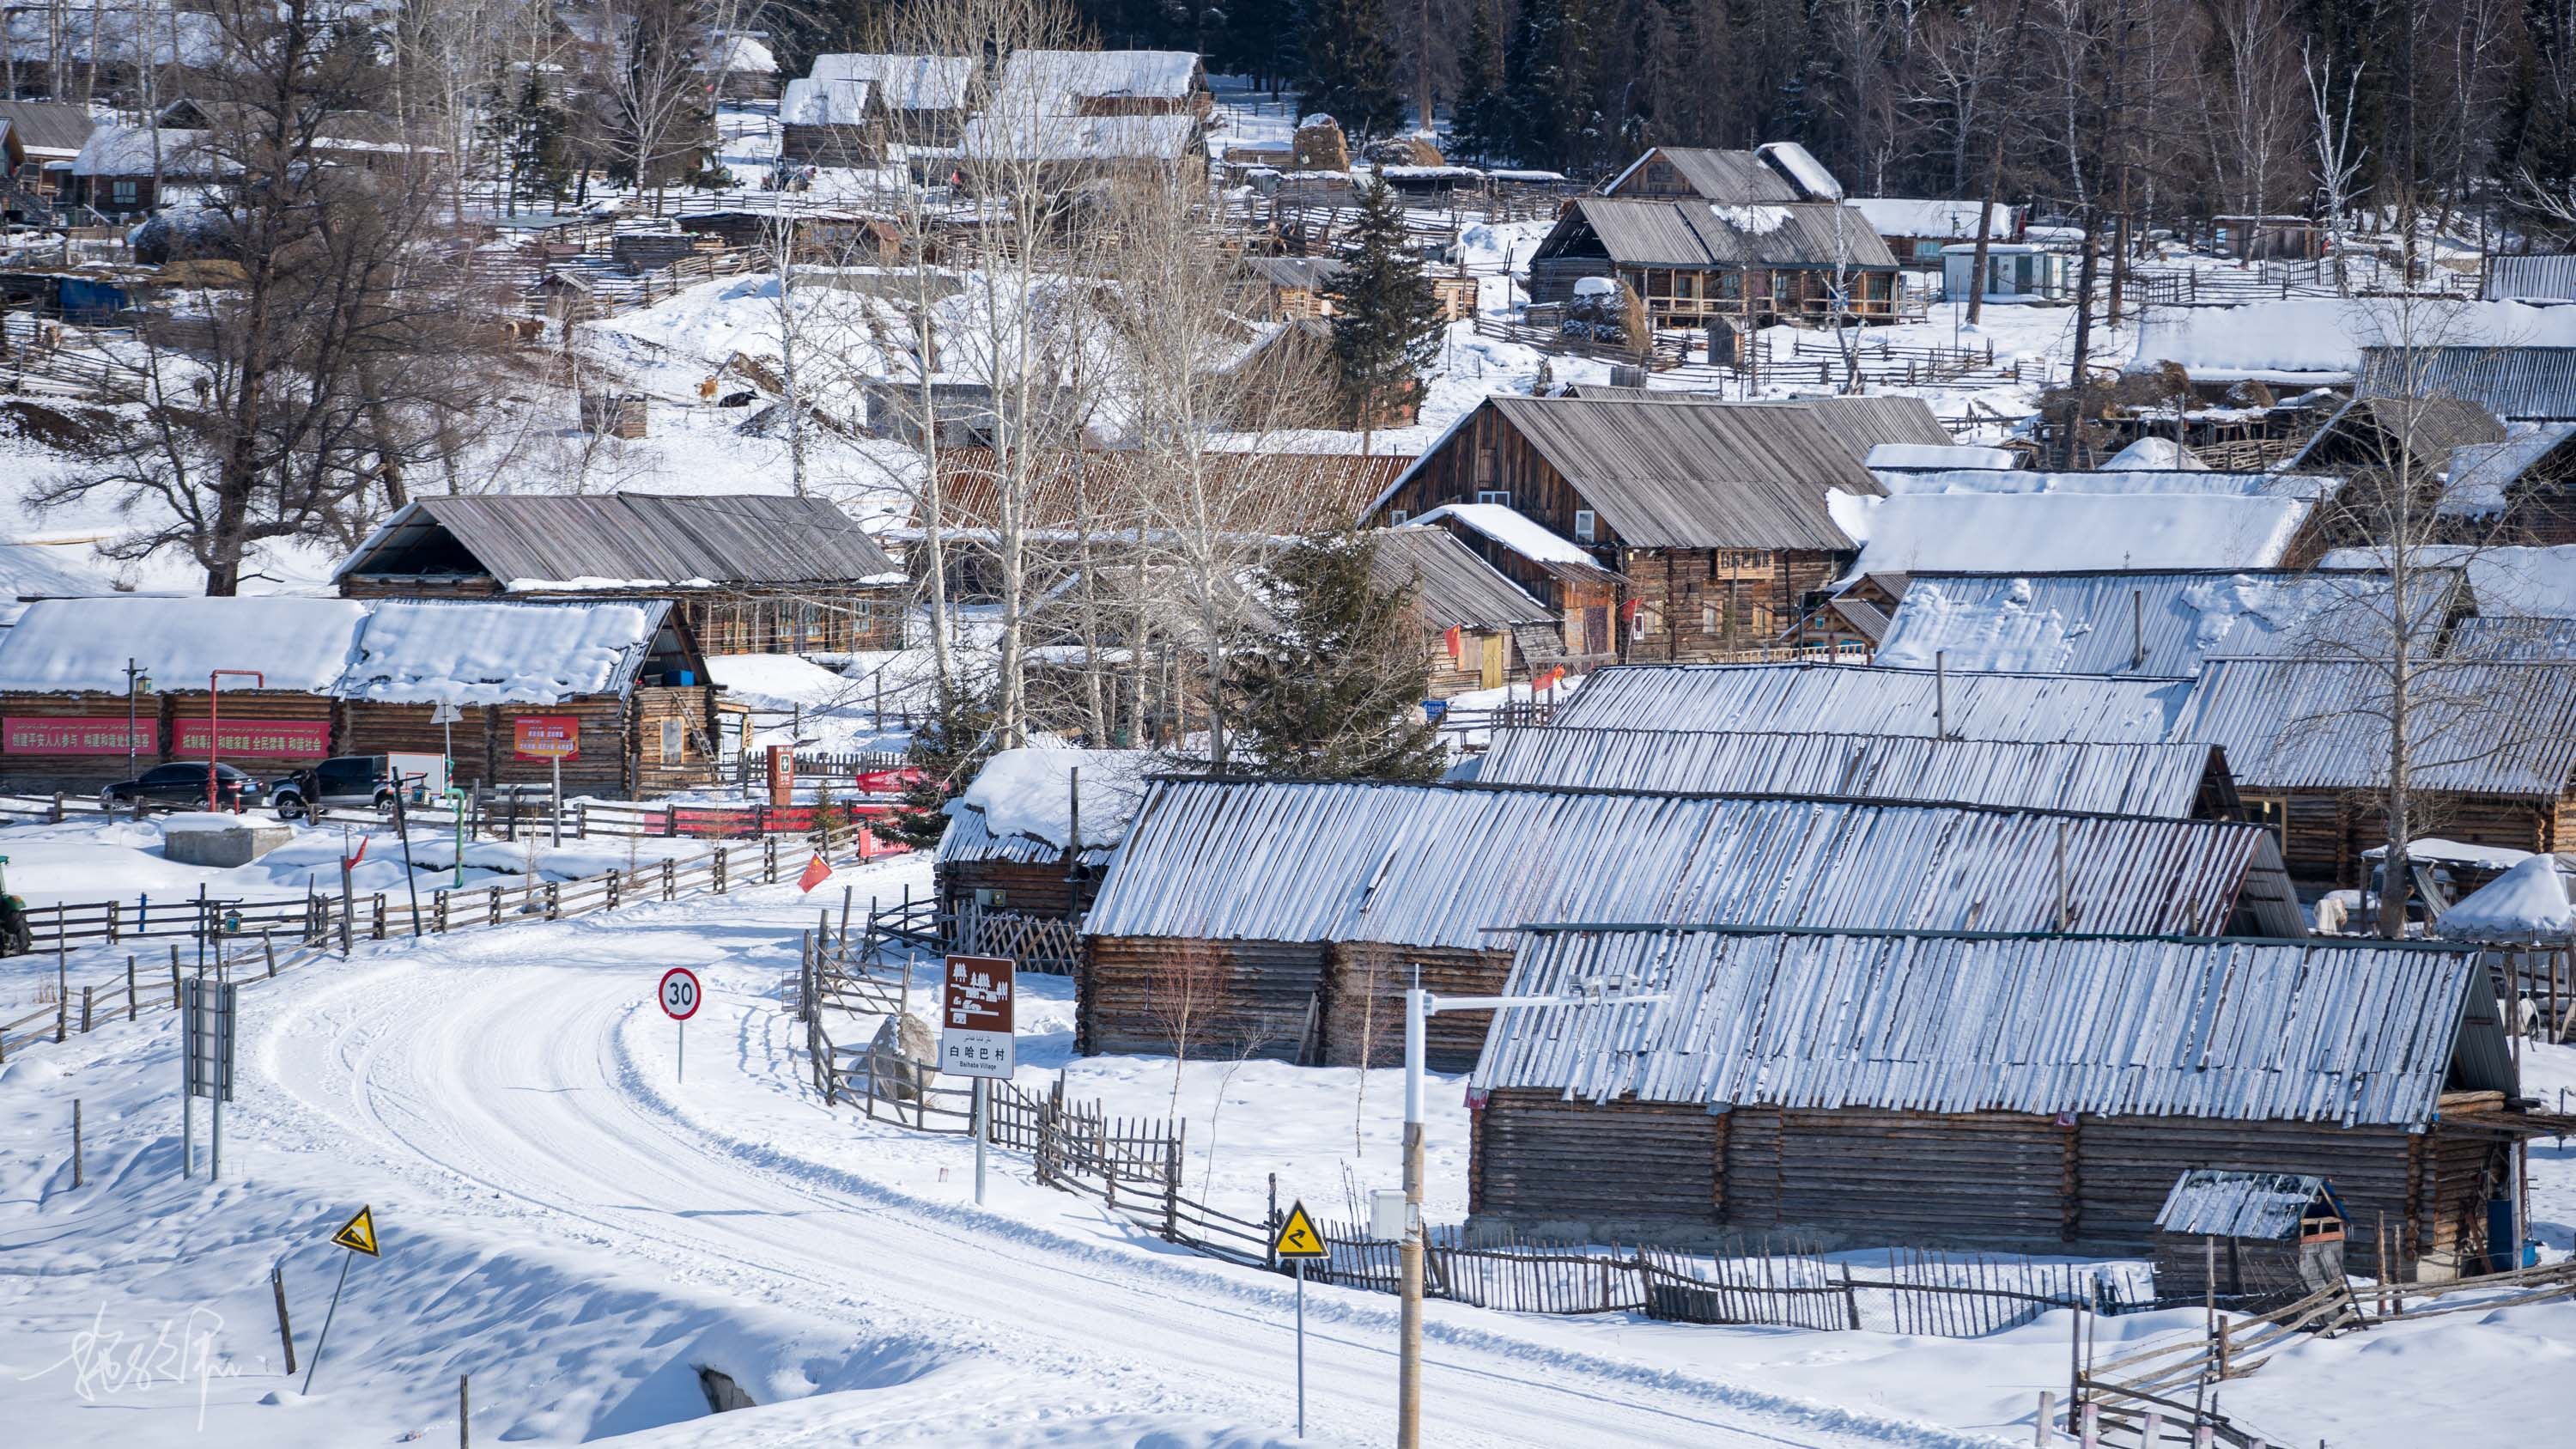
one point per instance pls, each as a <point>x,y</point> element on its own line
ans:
<point>1419,1007</point>
<point>1423,63</point>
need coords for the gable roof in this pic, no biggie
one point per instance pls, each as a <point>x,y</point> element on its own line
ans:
<point>1452,865</point>
<point>810,102</point>
<point>1726,176</point>
<point>2428,428</point>
<point>2220,1203</point>
<point>903,82</point>
<point>1910,1021</point>
<point>1057,79</point>
<point>1684,232</point>
<point>53,130</point>
<point>1948,220</point>
<point>1450,585</point>
<point>2039,532</point>
<point>629,540</point>
<point>1517,533</point>
<point>2478,726</point>
<point>1684,475</point>
<point>2128,779</point>
<point>1876,700</point>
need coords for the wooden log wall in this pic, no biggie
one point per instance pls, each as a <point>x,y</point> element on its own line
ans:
<point>607,746</point>
<point>2328,831</point>
<point>1703,605</point>
<point>371,728</point>
<point>309,709</point>
<point>1364,1003</point>
<point>1254,998</point>
<point>1862,1177</point>
<point>50,771</point>
<point>700,738</point>
<point>1028,887</point>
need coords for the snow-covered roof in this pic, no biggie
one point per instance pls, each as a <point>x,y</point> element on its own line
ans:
<point>1803,170</point>
<point>2057,532</point>
<point>2120,779</point>
<point>2162,625</point>
<point>2125,480</point>
<point>2219,1203</point>
<point>1028,795</point>
<point>1946,220</point>
<point>46,571</point>
<point>421,651</point>
<point>1934,456</point>
<point>1051,137</point>
<point>2523,582</point>
<point>2480,475</point>
<point>393,650</point>
<point>1512,529</point>
<point>2232,1030</point>
<point>127,151</point>
<point>2526,903</point>
<point>1451,865</point>
<point>2153,454</point>
<point>2474,726</point>
<point>906,82</point>
<point>740,54</point>
<point>2305,340</point>
<point>809,102</point>
<point>1058,79</point>
<point>1874,700</point>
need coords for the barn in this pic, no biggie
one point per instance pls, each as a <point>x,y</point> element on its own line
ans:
<point>616,688</point>
<point>1283,918</point>
<point>745,573</point>
<point>2040,1093</point>
<point>2172,781</point>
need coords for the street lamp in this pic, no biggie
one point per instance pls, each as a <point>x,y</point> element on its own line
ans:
<point>215,720</point>
<point>136,679</point>
<point>1419,1007</point>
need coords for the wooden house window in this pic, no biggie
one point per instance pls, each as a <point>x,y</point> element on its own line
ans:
<point>126,192</point>
<point>2272,812</point>
<point>1586,525</point>
<point>671,741</point>
<point>1397,516</point>
<point>1502,496</point>
<point>1708,618</point>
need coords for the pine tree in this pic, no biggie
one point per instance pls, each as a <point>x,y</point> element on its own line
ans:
<point>1349,69</point>
<point>1338,694</point>
<point>1480,122</point>
<point>1386,318</point>
<point>948,749</point>
<point>1548,70</point>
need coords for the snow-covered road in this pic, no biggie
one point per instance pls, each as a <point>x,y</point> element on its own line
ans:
<point>533,1084</point>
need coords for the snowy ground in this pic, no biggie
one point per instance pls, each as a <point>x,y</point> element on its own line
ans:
<point>579,1226</point>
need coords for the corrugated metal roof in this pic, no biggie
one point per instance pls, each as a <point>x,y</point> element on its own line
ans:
<point>2533,384</point>
<point>2161,625</point>
<point>2126,779</point>
<point>51,126</point>
<point>1448,865</point>
<point>2233,1030</point>
<point>1297,274</point>
<point>2478,727</point>
<point>2507,637</point>
<point>2217,1203</point>
<point>2531,279</point>
<point>618,539</point>
<point>2428,428</point>
<point>969,837</point>
<point>1860,423</point>
<point>1450,584</point>
<point>1688,233</point>
<point>1733,176</point>
<point>1875,700</point>
<point>1683,475</point>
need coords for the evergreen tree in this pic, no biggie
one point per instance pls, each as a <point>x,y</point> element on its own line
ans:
<point>1386,318</point>
<point>1548,71</point>
<point>1480,122</point>
<point>948,749</point>
<point>1349,69</point>
<point>1338,694</point>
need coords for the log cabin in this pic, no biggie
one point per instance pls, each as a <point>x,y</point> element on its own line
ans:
<point>1715,514</point>
<point>2036,1093</point>
<point>745,573</point>
<point>618,683</point>
<point>1479,629</point>
<point>1579,594</point>
<point>2242,1234</point>
<point>2492,759</point>
<point>1284,918</point>
<point>831,123</point>
<point>1019,843</point>
<point>922,98</point>
<point>1693,263</point>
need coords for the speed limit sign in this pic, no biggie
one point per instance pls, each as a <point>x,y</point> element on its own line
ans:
<point>680,997</point>
<point>680,993</point>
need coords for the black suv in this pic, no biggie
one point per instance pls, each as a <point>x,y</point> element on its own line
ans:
<point>343,782</point>
<point>181,784</point>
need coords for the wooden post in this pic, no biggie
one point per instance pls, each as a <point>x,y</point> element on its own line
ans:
<point>85,1005</point>
<point>464,1414</point>
<point>174,976</point>
<point>129,987</point>
<point>2040,1435</point>
<point>285,1330</point>
<point>268,948</point>
<point>76,1143</point>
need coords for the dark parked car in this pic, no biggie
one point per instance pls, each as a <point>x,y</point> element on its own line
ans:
<point>182,785</point>
<point>343,782</point>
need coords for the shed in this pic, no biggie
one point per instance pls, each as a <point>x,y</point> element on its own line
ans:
<point>1916,230</point>
<point>621,679</point>
<point>2385,433</point>
<point>2015,272</point>
<point>2039,1093</point>
<point>1018,843</point>
<point>2493,753</point>
<point>1284,918</point>
<point>2170,781</point>
<point>1288,288</point>
<point>924,98</point>
<point>1716,515</point>
<point>2248,1234</point>
<point>748,573</point>
<point>1693,261</point>
<point>1481,629</point>
<point>1578,591</point>
<point>831,123</point>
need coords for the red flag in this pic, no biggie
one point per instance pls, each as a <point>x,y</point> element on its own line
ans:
<point>350,862</point>
<point>816,872</point>
<point>1628,611</point>
<point>1453,640</point>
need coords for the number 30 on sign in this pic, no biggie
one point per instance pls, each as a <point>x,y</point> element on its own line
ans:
<point>680,994</point>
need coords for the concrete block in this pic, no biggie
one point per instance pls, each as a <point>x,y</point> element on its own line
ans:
<point>219,842</point>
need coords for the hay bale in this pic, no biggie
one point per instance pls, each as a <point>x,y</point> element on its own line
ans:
<point>1321,146</point>
<point>1404,151</point>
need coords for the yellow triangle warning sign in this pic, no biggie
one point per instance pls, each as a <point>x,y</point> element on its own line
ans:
<point>1298,1238</point>
<point>359,1233</point>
